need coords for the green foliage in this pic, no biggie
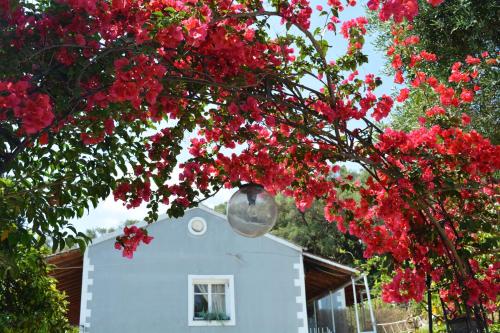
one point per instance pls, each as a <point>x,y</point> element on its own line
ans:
<point>495,328</point>
<point>98,232</point>
<point>221,208</point>
<point>457,28</point>
<point>29,300</point>
<point>218,316</point>
<point>60,181</point>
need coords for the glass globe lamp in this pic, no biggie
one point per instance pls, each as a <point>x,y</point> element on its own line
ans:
<point>252,211</point>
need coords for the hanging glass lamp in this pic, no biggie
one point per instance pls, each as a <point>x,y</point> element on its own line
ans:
<point>252,211</point>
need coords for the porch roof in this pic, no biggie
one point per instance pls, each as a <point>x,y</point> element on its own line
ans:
<point>323,275</point>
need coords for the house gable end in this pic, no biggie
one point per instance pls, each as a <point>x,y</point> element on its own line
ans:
<point>201,208</point>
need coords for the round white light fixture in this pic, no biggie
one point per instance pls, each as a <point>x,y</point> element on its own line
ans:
<point>197,226</point>
<point>252,211</point>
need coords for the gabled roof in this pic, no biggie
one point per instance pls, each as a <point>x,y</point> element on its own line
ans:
<point>114,234</point>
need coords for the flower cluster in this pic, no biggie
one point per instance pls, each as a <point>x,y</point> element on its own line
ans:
<point>398,10</point>
<point>407,284</point>
<point>33,110</point>
<point>131,238</point>
<point>298,12</point>
<point>357,23</point>
<point>137,80</point>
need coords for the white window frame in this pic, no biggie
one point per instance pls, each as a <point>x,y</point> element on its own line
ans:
<point>228,280</point>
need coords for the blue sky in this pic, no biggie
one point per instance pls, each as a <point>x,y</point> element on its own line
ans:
<point>110,213</point>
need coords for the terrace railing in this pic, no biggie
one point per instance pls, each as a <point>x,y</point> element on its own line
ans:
<point>320,330</point>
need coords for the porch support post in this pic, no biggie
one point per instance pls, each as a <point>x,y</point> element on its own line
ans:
<point>429,304</point>
<point>372,315</point>
<point>333,312</point>
<point>315,317</point>
<point>355,304</point>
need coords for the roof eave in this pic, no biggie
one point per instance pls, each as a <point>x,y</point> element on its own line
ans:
<point>331,263</point>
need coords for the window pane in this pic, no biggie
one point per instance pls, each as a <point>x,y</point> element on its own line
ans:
<point>201,288</point>
<point>218,303</point>
<point>200,305</point>
<point>324,312</point>
<point>218,288</point>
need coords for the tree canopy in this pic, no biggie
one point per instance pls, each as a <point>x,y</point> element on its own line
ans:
<point>453,31</point>
<point>97,97</point>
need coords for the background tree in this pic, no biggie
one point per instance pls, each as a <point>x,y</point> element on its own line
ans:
<point>221,208</point>
<point>312,231</point>
<point>99,231</point>
<point>29,300</point>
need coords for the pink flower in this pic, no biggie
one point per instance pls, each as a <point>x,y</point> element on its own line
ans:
<point>472,60</point>
<point>434,111</point>
<point>465,119</point>
<point>131,239</point>
<point>128,253</point>
<point>398,78</point>
<point>435,2</point>
<point>147,239</point>
<point>467,96</point>
<point>383,107</point>
<point>197,31</point>
<point>428,56</point>
<point>373,4</point>
<point>403,95</point>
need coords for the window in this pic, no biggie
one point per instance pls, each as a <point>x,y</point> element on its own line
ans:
<point>211,300</point>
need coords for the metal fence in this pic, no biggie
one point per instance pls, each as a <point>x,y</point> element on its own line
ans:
<point>402,326</point>
<point>320,330</point>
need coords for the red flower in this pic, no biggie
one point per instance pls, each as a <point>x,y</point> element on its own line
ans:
<point>403,95</point>
<point>467,96</point>
<point>472,60</point>
<point>398,78</point>
<point>44,138</point>
<point>465,119</point>
<point>435,2</point>
<point>109,126</point>
<point>131,239</point>
<point>383,107</point>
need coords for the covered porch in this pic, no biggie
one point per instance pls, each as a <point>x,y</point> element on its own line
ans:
<point>338,297</point>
